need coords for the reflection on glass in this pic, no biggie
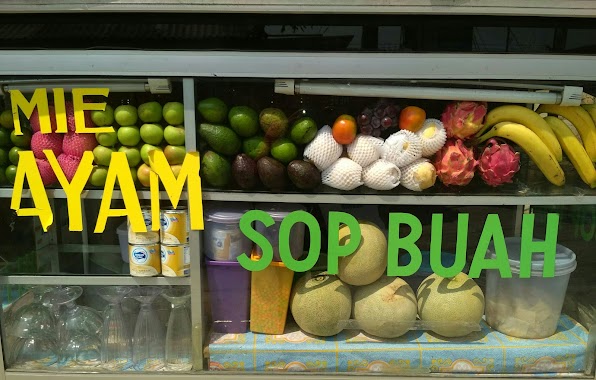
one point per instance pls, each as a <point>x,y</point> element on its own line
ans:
<point>115,336</point>
<point>178,336</point>
<point>149,338</point>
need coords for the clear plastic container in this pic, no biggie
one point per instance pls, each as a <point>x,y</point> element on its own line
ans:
<point>122,232</point>
<point>278,212</point>
<point>223,240</point>
<point>527,308</point>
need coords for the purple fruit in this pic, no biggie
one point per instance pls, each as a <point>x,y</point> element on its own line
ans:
<point>366,129</point>
<point>376,122</point>
<point>386,122</point>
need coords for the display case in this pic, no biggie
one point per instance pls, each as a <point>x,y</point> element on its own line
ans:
<point>439,153</point>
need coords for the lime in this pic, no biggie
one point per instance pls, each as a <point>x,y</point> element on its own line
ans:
<point>255,147</point>
<point>23,141</point>
<point>5,138</point>
<point>6,119</point>
<point>11,173</point>
<point>13,154</point>
<point>213,110</point>
<point>244,121</point>
<point>3,179</point>
<point>303,130</point>
<point>284,150</point>
<point>3,157</point>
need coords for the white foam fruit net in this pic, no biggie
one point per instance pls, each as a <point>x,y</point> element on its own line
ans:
<point>323,150</point>
<point>343,174</point>
<point>381,175</point>
<point>402,148</point>
<point>418,175</point>
<point>365,150</point>
<point>433,136</point>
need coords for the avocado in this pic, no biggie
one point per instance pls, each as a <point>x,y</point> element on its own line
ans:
<point>220,138</point>
<point>304,175</point>
<point>244,171</point>
<point>256,147</point>
<point>215,169</point>
<point>274,123</point>
<point>272,173</point>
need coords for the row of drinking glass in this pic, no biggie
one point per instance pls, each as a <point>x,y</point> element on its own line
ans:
<point>53,330</point>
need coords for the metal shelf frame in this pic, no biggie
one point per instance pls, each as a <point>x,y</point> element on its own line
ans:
<point>189,65</point>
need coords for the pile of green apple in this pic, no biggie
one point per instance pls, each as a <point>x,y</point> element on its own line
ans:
<point>138,131</point>
<point>10,145</point>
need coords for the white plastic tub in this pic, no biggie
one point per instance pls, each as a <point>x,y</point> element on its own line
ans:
<point>222,238</point>
<point>122,232</point>
<point>527,307</point>
<point>278,212</point>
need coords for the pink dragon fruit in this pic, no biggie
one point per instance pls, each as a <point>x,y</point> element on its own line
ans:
<point>463,119</point>
<point>34,119</point>
<point>455,163</point>
<point>70,119</point>
<point>51,141</point>
<point>47,173</point>
<point>498,163</point>
<point>75,144</point>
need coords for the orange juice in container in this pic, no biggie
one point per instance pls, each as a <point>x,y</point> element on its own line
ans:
<point>174,226</point>
<point>175,260</point>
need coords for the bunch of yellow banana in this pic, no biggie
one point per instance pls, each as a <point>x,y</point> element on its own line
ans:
<point>531,133</point>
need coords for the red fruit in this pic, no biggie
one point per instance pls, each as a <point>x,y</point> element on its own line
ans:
<point>52,141</point>
<point>47,173</point>
<point>34,120</point>
<point>70,119</point>
<point>455,163</point>
<point>411,118</point>
<point>69,165</point>
<point>75,144</point>
<point>344,129</point>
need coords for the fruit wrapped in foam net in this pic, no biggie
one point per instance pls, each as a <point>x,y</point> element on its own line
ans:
<point>433,136</point>
<point>402,148</point>
<point>365,150</point>
<point>323,150</point>
<point>343,174</point>
<point>419,175</point>
<point>381,175</point>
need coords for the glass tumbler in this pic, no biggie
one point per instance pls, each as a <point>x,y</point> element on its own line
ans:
<point>115,335</point>
<point>148,351</point>
<point>179,332</point>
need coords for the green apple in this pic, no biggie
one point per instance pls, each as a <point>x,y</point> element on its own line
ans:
<point>129,135</point>
<point>173,113</point>
<point>143,174</point>
<point>22,141</point>
<point>5,138</point>
<point>174,135</point>
<point>126,115</point>
<point>103,155</point>
<point>103,118</point>
<point>107,138</point>
<point>3,157</point>
<point>98,175</point>
<point>133,174</point>
<point>13,154</point>
<point>150,112</point>
<point>152,133</point>
<point>11,173</point>
<point>6,119</point>
<point>133,155</point>
<point>176,170</point>
<point>145,149</point>
<point>174,154</point>
<point>3,179</point>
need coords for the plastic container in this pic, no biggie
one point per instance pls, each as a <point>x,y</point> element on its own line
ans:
<point>122,232</point>
<point>425,270</point>
<point>229,292</point>
<point>278,212</point>
<point>527,307</point>
<point>223,240</point>
<point>269,298</point>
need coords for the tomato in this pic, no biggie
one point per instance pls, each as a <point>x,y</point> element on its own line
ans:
<point>344,129</point>
<point>411,118</point>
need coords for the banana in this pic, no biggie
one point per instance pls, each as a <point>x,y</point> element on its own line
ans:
<point>582,121</point>
<point>574,150</point>
<point>532,145</point>
<point>527,117</point>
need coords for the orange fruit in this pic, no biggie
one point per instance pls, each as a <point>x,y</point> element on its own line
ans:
<point>411,118</point>
<point>344,129</point>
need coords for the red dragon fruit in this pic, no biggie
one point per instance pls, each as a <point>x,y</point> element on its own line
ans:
<point>75,144</point>
<point>47,173</point>
<point>498,163</point>
<point>463,119</point>
<point>455,163</point>
<point>69,165</point>
<point>51,141</point>
<point>34,119</point>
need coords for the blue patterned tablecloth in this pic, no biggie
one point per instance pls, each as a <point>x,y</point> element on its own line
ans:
<point>485,351</point>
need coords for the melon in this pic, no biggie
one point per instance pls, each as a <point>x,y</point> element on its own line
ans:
<point>369,262</point>
<point>386,308</point>
<point>453,306</point>
<point>320,303</point>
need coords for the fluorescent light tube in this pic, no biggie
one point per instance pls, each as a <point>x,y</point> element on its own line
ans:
<point>153,85</point>
<point>569,96</point>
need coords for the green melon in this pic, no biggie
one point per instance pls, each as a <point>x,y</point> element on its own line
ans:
<point>369,262</point>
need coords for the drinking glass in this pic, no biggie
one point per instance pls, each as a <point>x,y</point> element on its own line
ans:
<point>148,353</point>
<point>115,335</point>
<point>179,332</point>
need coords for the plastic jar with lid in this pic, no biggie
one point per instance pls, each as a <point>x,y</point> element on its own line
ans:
<point>278,212</point>
<point>222,238</point>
